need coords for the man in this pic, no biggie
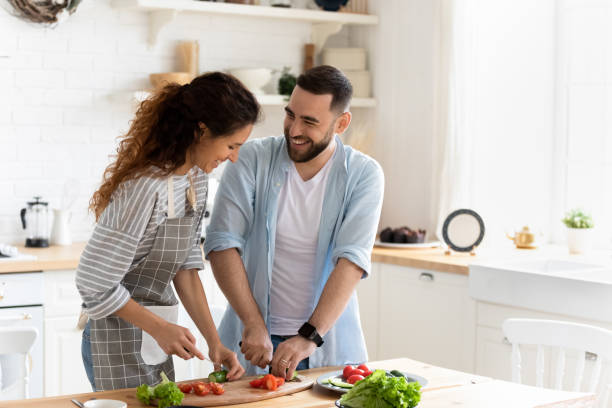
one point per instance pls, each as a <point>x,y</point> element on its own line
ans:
<point>291,235</point>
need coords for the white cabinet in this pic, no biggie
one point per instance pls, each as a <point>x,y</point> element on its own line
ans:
<point>64,371</point>
<point>421,314</point>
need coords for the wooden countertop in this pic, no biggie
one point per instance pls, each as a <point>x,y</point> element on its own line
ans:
<point>430,258</point>
<point>67,257</point>
<point>47,259</point>
<point>445,388</point>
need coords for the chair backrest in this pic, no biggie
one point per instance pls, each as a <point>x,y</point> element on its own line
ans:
<point>17,340</point>
<point>586,339</point>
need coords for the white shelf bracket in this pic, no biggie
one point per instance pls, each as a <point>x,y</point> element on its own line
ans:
<point>321,31</point>
<point>158,20</point>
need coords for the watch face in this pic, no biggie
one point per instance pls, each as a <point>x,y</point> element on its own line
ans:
<point>306,330</point>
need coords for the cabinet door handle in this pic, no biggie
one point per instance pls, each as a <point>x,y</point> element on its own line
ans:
<point>506,341</point>
<point>22,316</point>
<point>426,277</point>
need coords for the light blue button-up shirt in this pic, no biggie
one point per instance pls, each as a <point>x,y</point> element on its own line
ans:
<point>244,217</point>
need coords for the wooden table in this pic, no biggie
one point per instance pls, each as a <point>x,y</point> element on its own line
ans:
<point>445,388</point>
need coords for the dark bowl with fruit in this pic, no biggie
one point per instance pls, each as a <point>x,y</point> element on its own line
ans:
<point>402,235</point>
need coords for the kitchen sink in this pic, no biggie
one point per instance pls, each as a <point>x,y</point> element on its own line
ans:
<point>561,286</point>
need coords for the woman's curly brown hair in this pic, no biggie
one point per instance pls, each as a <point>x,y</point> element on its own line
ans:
<point>168,124</point>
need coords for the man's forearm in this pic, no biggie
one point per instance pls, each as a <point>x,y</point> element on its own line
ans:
<point>336,294</point>
<point>230,274</point>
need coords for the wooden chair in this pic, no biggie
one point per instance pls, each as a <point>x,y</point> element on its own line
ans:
<point>587,340</point>
<point>17,340</point>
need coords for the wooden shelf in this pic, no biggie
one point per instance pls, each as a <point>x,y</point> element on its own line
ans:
<point>210,7</point>
<point>274,100</point>
<point>277,100</point>
<point>325,23</point>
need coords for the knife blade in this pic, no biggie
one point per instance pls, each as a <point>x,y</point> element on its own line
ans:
<point>77,403</point>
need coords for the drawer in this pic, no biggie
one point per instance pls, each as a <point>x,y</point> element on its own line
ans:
<point>18,289</point>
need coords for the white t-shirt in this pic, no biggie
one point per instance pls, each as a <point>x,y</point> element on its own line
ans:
<point>297,230</point>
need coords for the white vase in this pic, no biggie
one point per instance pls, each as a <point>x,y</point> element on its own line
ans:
<point>60,233</point>
<point>579,240</point>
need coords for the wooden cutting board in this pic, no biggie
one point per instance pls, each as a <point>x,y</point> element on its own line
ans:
<point>239,392</point>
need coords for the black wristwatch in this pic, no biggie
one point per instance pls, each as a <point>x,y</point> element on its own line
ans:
<point>309,332</point>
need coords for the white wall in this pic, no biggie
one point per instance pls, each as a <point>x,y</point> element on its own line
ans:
<point>513,125</point>
<point>66,95</point>
<point>402,58</point>
<point>66,92</point>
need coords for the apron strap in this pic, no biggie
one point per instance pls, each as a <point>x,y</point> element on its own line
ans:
<point>170,197</point>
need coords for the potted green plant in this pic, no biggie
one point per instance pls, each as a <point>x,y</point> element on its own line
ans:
<point>286,82</point>
<point>579,230</point>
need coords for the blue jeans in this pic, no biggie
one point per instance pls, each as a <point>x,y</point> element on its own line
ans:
<point>86,354</point>
<point>276,340</point>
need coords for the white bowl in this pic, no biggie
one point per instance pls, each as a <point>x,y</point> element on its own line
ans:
<point>104,403</point>
<point>253,78</point>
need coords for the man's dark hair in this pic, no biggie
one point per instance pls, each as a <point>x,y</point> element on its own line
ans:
<point>326,79</point>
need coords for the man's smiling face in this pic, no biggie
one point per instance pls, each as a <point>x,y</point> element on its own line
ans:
<point>309,124</point>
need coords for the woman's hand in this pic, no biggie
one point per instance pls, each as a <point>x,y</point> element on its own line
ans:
<point>178,340</point>
<point>221,355</point>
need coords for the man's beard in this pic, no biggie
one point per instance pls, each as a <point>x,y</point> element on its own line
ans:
<point>315,149</point>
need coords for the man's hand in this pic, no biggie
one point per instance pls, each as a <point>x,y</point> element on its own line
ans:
<point>288,355</point>
<point>256,345</point>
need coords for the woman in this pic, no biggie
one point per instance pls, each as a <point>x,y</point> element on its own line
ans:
<point>149,212</point>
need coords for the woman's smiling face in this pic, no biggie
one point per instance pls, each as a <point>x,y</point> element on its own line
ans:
<point>209,151</point>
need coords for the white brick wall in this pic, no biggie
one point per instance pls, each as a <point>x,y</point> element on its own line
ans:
<point>65,92</point>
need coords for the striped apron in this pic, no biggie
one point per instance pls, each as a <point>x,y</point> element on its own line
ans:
<point>116,344</point>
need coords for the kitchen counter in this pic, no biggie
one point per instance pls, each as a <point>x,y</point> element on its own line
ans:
<point>445,388</point>
<point>47,259</point>
<point>430,258</point>
<point>67,257</point>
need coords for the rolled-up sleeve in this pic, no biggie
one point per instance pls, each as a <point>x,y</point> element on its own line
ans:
<point>357,233</point>
<point>232,215</point>
<point>110,252</point>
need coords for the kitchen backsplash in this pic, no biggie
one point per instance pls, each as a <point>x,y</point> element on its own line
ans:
<point>67,93</point>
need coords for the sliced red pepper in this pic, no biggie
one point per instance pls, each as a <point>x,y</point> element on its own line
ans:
<point>270,382</point>
<point>257,383</point>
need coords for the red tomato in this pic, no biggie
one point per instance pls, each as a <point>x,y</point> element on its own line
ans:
<point>270,382</point>
<point>367,373</point>
<point>280,381</point>
<point>347,370</point>
<point>257,383</point>
<point>363,367</point>
<point>201,389</point>
<point>185,388</point>
<point>354,378</point>
<point>355,371</point>
<point>217,388</point>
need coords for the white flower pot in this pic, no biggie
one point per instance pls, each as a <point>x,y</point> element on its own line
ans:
<point>579,240</point>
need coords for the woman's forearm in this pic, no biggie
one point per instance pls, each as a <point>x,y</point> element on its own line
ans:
<point>191,292</point>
